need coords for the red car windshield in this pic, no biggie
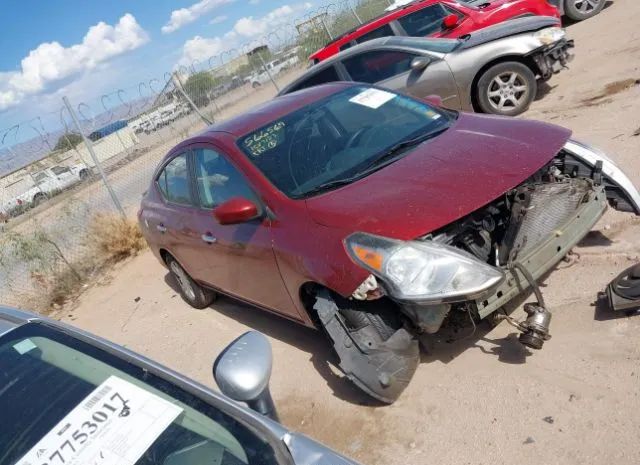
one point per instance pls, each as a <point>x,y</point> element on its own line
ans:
<point>336,139</point>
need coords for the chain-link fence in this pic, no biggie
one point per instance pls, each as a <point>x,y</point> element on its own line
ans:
<point>61,169</point>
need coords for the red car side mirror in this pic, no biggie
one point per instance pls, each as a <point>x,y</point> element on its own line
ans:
<point>434,100</point>
<point>235,210</point>
<point>450,21</point>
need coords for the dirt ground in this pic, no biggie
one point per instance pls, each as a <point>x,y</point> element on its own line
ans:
<point>481,399</point>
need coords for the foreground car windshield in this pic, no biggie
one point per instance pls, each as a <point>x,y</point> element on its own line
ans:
<point>64,401</point>
<point>338,138</point>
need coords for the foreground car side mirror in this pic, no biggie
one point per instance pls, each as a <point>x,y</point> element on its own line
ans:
<point>236,210</point>
<point>242,371</point>
<point>450,21</point>
<point>435,100</point>
<point>420,63</point>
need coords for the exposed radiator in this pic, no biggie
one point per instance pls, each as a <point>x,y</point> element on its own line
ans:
<point>541,211</point>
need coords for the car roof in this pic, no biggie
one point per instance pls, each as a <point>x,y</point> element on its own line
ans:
<point>408,43</point>
<point>11,318</point>
<point>381,20</point>
<point>271,110</point>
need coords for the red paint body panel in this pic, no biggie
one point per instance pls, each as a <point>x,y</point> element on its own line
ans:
<point>265,262</point>
<point>473,18</point>
<point>444,179</point>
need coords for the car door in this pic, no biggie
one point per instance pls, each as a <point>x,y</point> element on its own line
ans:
<point>392,69</point>
<point>64,176</point>
<point>239,257</point>
<point>428,21</point>
<point>171,219</point>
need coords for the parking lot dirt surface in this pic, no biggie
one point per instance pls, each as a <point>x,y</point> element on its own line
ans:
<point>481,398</point>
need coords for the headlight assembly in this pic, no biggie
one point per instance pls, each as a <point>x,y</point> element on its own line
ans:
<point>549,35</point>
<point>422,271</point>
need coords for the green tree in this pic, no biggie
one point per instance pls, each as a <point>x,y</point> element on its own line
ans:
<point>67,141</point>
<point>255,61</point>
<point>198,87</point>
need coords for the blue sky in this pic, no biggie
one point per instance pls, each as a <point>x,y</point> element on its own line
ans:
<point>84,49</point>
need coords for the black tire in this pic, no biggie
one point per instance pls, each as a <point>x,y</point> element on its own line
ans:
<point>38,199</point>
<point>255,85</point>
<point>190,291</point>
<point>84,174</point>
<point>579,10</point>
<point>516,91</point>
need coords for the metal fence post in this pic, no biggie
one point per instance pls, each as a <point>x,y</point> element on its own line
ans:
<point>326,28</point>
<point>353,10</point>
<point>178,84</point>
<point>264,65</point>
<point>89,146</point>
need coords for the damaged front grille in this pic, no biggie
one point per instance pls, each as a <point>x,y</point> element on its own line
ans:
<point>513,225</point>
<point>538,211</point>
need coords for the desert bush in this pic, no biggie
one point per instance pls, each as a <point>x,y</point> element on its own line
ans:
<point>114,238</point>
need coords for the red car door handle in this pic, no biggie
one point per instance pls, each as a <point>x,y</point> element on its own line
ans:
<point>208,238</point>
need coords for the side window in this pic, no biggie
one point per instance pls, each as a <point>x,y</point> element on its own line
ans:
<point>382,31</point>
<point>377,66</point>
<point>174,181</point>
<point>218,180</point>
<point>346,46</point>
<point>426,21</point>
<point>40,177</point>
<point>58,170</point>
<point>326,75</point>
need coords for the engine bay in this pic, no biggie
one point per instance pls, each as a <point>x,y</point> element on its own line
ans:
<point>513,224</point>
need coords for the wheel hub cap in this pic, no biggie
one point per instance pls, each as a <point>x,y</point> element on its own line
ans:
<point>507,91</point>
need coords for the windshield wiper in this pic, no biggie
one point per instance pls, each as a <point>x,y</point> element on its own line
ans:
<point>400,147</point>
<point>376,163</point>
<point>325,186</point>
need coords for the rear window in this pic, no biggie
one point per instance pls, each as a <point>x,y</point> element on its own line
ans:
<point>382,31</point>
<point>322,77</point>
<point>426,21</point>
<point>174,181</point>
<point>376,66</point>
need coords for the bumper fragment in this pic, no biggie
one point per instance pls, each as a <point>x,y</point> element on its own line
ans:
<point>554,58</point>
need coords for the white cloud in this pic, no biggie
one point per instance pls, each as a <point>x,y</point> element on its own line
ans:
<point>254,2</point>
<point>184,16</point>
<point>251,27</point>
<point>219,19</point>
<point>50,62</point>
<point>200,49</point>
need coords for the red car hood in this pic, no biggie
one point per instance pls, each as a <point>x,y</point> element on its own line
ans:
<point>474,162</point>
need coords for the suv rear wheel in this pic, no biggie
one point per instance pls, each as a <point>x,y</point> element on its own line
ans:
<point>579,10</point>
<point>506,89</point>
<point>190,291</point>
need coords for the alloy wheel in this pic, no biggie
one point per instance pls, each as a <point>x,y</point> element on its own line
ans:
<point>507,91</point>
<point>183,280</point>
<point>586,6</point>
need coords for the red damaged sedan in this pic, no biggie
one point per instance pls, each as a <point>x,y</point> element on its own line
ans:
<point>436,18</point>
<point>376,218</point>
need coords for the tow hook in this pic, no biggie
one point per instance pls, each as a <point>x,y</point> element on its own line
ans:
<point>535,329</point>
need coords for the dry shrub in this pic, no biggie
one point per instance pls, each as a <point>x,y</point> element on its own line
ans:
<point>115,238</point>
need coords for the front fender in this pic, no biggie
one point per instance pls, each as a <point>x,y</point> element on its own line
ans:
<point>612,174</point>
